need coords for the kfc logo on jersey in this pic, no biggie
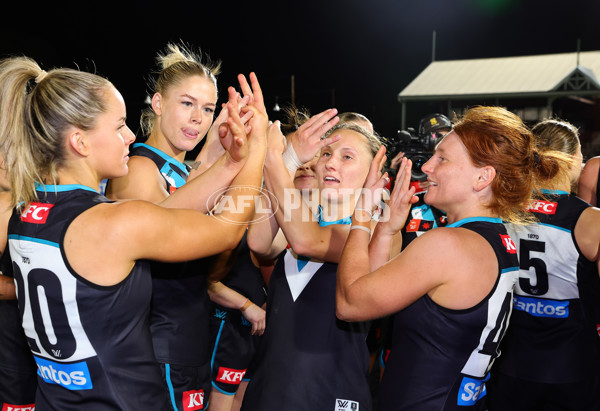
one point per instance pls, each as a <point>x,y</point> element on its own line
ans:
<point>509,244</point>
<point>10,407</point>
<point>36,213</point>
<point>543,207</point>
<point>230,376</point>
<point>193,400</point>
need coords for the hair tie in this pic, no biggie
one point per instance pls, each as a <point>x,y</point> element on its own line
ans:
<point>536,159</point>
<point>41,76</point>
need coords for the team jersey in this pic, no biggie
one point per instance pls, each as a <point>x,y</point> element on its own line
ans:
<point>308,359</point>
<point>552,337</point>
<point>91,343</point>
<point>441,358</point>
<point>179,317</point>
<point>421,219</point>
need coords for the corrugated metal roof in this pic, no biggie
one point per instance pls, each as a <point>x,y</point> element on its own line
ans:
<point>497,76</point>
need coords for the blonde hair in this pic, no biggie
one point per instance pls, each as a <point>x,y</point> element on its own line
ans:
<point>177,63</point>
<point>37,109</point>
<point>373,141</point>
<point>559,139</point>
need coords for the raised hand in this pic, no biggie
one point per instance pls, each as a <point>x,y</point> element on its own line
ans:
<point>373,187</point>
<point>402,197</point>
<point>260,120</point>
<point>307,140</point>
<point>238,149</point>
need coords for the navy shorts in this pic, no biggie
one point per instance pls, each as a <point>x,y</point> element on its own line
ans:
<point>189,387</point>
<point>233,350</point>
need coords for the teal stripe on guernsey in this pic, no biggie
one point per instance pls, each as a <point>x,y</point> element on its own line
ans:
<point>59,188</point>
<point>345,220</point>
<point>546,191</point>
<point>33,240</point>
<point>473,219</point>
<point>162,154</point>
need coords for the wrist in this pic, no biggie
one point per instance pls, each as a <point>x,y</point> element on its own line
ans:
<point>247,304</point>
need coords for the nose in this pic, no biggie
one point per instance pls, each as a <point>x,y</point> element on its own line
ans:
<point>427,168</point>
<point>196,115</point>
<point>128,136</point>
<point>331,163</point>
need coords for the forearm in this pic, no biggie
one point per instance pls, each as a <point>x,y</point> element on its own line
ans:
<point>196,192</point>
<point>220,294</point>
<point>354,264</point>
<point>293,215</point>
<point>383,247</point>
<point>7,288</point>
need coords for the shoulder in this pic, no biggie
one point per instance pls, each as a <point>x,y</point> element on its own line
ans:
<point>591,168</point>
<point>143,180</point>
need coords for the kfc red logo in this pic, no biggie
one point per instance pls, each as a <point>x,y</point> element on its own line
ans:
<point>193,400</point>
<point>10,407</point>
<point>230,376</point>
<point>509,244</point>
<point>36,213</point>
<point>544,207</point>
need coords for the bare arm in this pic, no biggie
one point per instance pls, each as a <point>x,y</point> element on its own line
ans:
<point>363,294</point>
<point>588,181</point>
<point>227,297</point>
<point>587,234</point>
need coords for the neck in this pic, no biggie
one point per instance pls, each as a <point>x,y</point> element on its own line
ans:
<point>334,210</point>
<point>71,177</point>
<point>159,141</point>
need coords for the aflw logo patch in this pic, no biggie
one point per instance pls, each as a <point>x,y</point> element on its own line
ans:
<point>543,207</point>
<point>193,400</point>
<point>509,244</point>
<point>343,405</point>
<point>230,376</point>
<point>36,213</point>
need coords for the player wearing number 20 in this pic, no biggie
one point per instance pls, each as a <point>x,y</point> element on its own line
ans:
<point>86,316</point>
<point>551,350</point>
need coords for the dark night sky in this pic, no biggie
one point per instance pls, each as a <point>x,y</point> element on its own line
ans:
<point>353,54</point>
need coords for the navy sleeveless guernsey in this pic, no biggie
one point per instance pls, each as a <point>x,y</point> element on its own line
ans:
<point>308,359</point>
<point>552,337</point>
<point>441,358</point>
<point>91,343</point>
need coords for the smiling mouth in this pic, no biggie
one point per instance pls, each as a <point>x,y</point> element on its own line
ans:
<point>331,180</point>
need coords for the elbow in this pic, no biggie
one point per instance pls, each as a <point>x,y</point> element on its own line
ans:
<point>303,247</point>
<point>344,311</point>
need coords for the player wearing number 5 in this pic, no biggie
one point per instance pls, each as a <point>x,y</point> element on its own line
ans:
<point>450,290</point>
<point>79,260</point>
<point>550,356</point>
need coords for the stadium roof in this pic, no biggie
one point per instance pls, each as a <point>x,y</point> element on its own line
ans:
<point>549,75</point>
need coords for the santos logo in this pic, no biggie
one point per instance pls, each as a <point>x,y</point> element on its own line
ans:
<point>36,213</point>
<point>471,390</point>
<point>542,308</point>
<point>71,376</point>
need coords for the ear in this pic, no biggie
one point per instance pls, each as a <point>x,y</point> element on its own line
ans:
<point>79,143</point>
<point>156,103</point>
<point>485,177</point>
